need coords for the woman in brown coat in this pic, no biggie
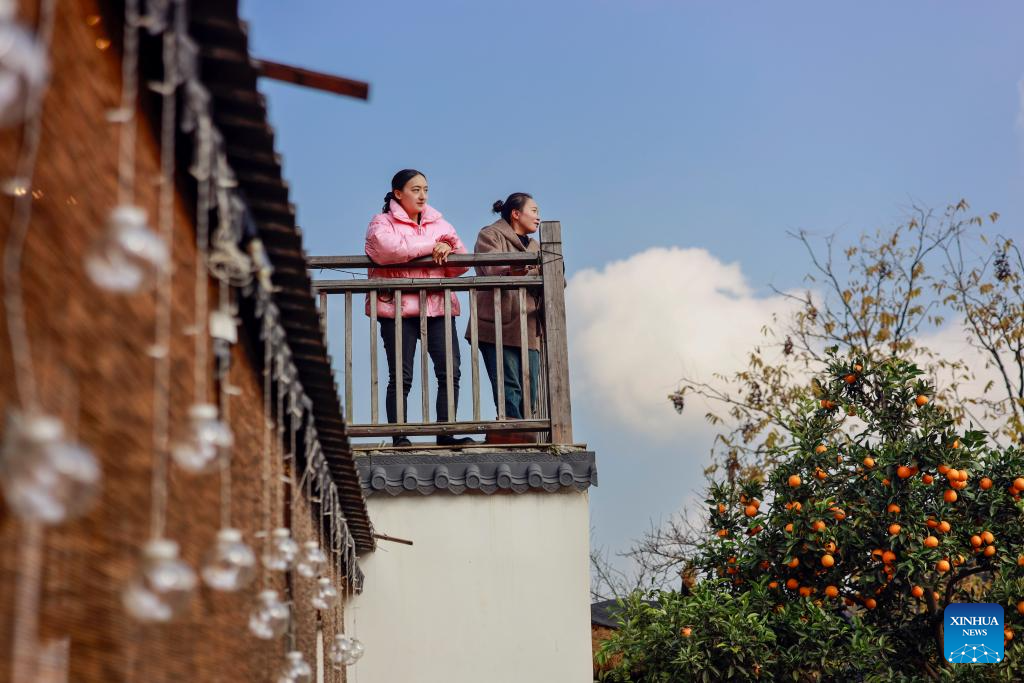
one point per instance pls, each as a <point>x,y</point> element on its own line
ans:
<point>520,218</point>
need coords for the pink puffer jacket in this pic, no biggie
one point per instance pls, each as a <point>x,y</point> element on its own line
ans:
<point>393,237</point>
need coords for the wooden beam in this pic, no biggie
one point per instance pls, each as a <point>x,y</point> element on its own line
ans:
<point>555,341</point>
<point>312,79</point>
<point>453,260</point>
<point>447,428</point>
<point>456,283</point>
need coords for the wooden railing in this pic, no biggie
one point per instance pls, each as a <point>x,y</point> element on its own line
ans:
<point>552,417</point>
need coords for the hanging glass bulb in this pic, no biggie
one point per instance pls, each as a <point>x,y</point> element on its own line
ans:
<point>312,560</point>
<point>326,594</point>
<point>231,565</point>
<point>340,651</point>
<point>23,72</point>
<point>207,446</point>
<point>281,554</point>
<point>164,585</point>
<point>357,651</point>
<point>129,255</point>
<point>44,476</point>
<point>270,618</point>
<point>295,670</point>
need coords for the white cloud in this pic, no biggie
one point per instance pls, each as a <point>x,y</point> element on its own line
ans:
<point>638,325</point>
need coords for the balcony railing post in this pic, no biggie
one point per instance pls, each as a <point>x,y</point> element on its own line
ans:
<point>553,271</point>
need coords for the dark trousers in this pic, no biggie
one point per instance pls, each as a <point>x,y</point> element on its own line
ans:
<point>514,408</point>
<point>435,349</point>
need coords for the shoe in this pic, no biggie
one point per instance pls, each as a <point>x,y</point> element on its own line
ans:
<point>401,441</point>
<point>455,441</point>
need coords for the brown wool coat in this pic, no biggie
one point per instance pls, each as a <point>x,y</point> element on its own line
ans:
<point>499,237</point>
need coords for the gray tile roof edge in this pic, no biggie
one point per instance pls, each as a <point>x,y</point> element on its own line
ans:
<point>457,474</point>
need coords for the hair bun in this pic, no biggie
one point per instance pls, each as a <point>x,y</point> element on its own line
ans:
<point>498,206</point>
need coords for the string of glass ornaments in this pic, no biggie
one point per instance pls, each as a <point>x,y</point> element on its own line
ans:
<point>47,476</point>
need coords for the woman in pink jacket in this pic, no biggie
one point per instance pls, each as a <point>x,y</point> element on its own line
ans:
<point>408,229</point>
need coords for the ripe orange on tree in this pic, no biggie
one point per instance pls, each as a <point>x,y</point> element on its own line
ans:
<point>988,537</point>
<point>927,478</point>
<point>944,527</point>
<point>686,632</point>
<point>949,496</point>
<point>921,400</point>
<point>894,529</point>
<point>942,566</point>
<point>818,525</point>
<point>903,472</point>
<point>820,448</point>
<point>917,591</point>
<point>985,483</point>
<point>871,603</point>
<point>869,462</point>
<point>1008,633</point>
<point>976,541</point>
<point>850,379</point>
<point>750,510</point>
<point>832,591</point>
<point>792,584</point>
<point>827,561</point>
<point>989,551</point>
<point>893,508</point>
<point>794,480</point>
<point>1018,483</point>
<point>931,542</point>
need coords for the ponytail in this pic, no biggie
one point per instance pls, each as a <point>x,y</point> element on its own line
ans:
<point>387,202</point>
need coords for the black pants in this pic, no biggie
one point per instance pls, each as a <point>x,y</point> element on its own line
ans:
<point>435,348</point>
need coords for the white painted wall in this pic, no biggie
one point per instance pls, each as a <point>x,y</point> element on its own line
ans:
<point>496,589</point>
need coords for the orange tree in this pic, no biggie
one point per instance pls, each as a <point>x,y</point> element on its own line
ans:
<point>881,508</point>
<point>877,515</point>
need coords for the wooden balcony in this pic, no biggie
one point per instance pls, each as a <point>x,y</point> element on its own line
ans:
<point>550,419</point>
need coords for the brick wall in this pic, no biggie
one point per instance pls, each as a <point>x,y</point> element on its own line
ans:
<point>89,350</point>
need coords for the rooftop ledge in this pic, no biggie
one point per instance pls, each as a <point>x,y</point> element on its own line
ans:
<point>486,470</point>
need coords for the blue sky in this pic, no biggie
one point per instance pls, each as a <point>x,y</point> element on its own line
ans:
<point>708,127</point>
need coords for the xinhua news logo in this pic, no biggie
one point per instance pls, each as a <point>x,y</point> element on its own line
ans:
<point>973,633</point>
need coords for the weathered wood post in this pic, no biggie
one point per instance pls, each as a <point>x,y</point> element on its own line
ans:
<point>553,272</point>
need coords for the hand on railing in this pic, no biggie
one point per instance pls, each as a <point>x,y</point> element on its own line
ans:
<point>441,252</point>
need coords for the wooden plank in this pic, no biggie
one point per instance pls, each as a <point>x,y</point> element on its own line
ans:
<point>374,398</point>
<point>474,350</point>
<point>323,310</point>
<point>424,384</point>
<point>349,405</point>
<point>524,355</point>
<point>516,259</point>
<point>553,272</point>
<point>448,360</point>
<point>399,369</point>
<point>446,428</point>
<point>499,351</point>
<point>430,284</point>
<point>316,80</point>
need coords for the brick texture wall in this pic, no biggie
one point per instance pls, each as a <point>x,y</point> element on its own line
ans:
<point>90,355</point>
